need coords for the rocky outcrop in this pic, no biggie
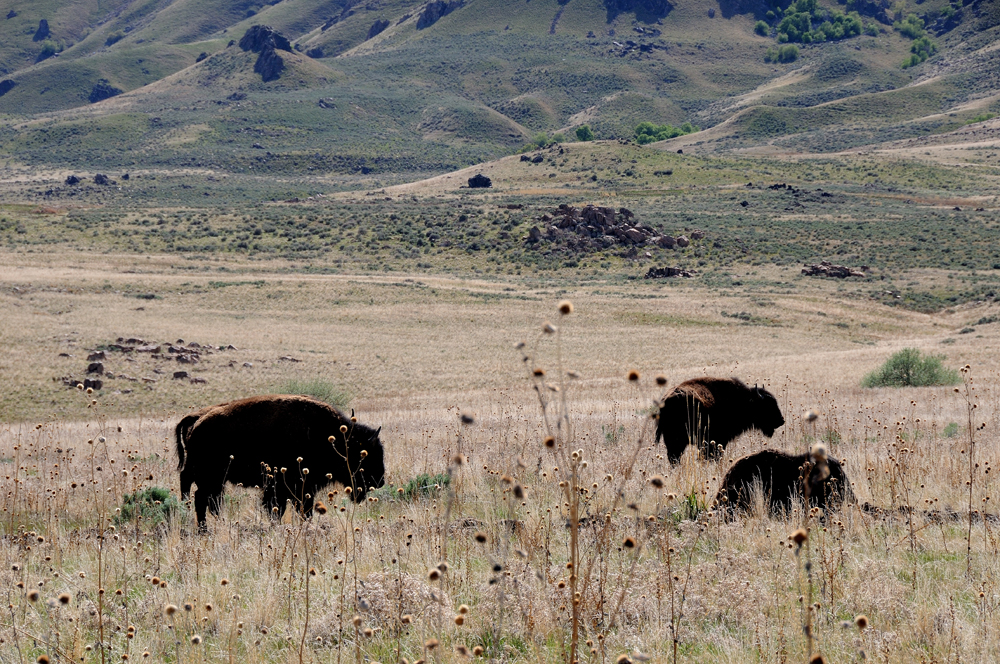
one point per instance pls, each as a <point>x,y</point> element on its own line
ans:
<point>667,272</point>
<point>262,37</point>
<point>593,228</point>
<point>377,28</point>
<point>435,11</point>
<point>480,181</point>
<point>42,32</point>
<point>269,65</point>
<point>267,42</point>
<point>103,90</point>
<point>101,178</point>
<point>828,269</point>
<point>6,86</point>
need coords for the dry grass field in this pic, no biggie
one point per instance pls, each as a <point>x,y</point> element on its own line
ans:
<point>661,574</point>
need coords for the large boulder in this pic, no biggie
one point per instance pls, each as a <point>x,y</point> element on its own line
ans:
<point>269,65</point>
<point>103,90</point>
<point>480,181</point>
<point>6,86</point>
<point>42,32</point>
<point>261,37</point>
<point>377,28</point>
<point>266,41</point>
<point>435,11</point>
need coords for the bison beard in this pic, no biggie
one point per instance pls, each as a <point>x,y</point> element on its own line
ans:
<point>250,441</point>
<point>704,410</point>
<point>780,478</point>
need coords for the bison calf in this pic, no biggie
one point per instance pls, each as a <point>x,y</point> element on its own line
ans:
<point>289,446</point>
<point>705,410</point>
<point>783,479</point>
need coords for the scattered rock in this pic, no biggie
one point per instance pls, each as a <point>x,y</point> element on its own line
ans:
<point>697,235</point>
<point>42,32</point>
<point>315,53</point>
<point>97,356</point>
<point>326,103</point>
<point>178,375</point>
<point>11,14</point>
<point>248,365</point>
<point>101,178</point>
<point>95,368</point>
<point>198,381</point>
<point>257,146</point>
<point>65,355</point>
<point>667,272</point>
<point>666,241</point>
<point>377,28</point>
<point>93,383</point>
<point>537,159</point>
<point>682,241</point>
<point>288,358</point>
<point>828,269</point>
<point>147,380</point>
<point>187,359</point>
<point>525,157</point>
<point>126,176</point>
<point>480,181</point>
<point>6,86</point>
<point>149,348</point>
<point>72,179</point>
<point>103,90</point>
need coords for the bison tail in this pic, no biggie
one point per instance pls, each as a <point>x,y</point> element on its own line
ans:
<point>181,433</point>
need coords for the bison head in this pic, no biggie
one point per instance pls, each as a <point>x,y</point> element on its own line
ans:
<point>370,466</point>
<point>766,414</point>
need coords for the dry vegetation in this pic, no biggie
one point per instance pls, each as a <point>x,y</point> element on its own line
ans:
<point>660,573</point>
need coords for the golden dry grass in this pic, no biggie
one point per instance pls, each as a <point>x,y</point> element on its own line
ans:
<point>416,354</point>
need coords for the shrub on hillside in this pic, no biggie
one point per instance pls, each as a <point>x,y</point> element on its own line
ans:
<point>317,388</point>
<point>921,49</point>
<point>784,53</point>
<point>761,28</point>
<point>647,132</point>
<point>584,133</point>
<point>908,368</point>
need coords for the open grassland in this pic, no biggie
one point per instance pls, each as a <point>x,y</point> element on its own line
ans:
<point>657,566</point>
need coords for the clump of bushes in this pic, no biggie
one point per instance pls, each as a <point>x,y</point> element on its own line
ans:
<point>804,21</point>
<point>154,505</point>
<point>421,486</point>
<point>647,132</point>
<point>922,47</point>
<point>784,53</point>
<point>584,133</point>
<point>909,368</point>
<point>317,388</point>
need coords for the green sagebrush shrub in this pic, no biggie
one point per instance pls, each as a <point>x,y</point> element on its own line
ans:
<point>909,368</point>
<point>317,388</point>
<point>154,505</point>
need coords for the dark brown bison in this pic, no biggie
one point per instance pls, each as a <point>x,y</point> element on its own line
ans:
<point>289,446</point>
<point>705,410</point>
<point>782,480</point>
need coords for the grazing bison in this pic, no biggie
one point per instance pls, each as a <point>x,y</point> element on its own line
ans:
<point>259,442</point>
<point>782,479</point>
<point>703,410</point>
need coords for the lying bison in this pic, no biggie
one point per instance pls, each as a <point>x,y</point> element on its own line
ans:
<point>783,480</point>
<point>290,446</point>
<point>705,410</point>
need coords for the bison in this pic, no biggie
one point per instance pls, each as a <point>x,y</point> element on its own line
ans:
<point>289,446</point>
<point>784,479</point>
<point>714,410</point>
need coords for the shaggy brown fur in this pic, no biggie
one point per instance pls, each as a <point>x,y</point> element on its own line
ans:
<point>704,410</point>
<point>250,441</point>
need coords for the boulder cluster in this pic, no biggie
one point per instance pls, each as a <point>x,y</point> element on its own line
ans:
<point>266,41</point>
<point>603,228</point>
<point>127,349</point>
<point>435,11</point>
<point>828,269</point>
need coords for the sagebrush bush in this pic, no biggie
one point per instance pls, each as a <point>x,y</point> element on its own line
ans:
<point>154,505</point>
<point>908,368</point>
<point>317,388</point>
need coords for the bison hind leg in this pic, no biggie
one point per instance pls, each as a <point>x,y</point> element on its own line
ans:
<point>205,499</point>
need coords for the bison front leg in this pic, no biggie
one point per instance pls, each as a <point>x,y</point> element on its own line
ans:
<point>206,499</point>
<point>273,502</point>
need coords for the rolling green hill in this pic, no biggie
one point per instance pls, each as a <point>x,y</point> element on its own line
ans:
<point>418,87</point>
